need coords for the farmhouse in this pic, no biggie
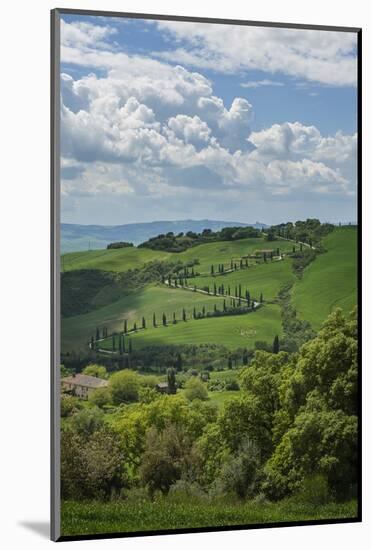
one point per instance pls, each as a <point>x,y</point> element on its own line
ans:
<point>82,385</point>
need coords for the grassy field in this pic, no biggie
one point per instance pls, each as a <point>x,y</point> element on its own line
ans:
<point>331,280</point>
<point>263,278</point>
<point>121,259</point>
<point>231,331</point>
<point>79,518</point>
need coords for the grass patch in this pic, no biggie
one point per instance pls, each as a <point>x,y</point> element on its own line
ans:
<point>81,518</point>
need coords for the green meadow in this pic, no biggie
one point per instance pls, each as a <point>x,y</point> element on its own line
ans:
<point>235,331</point>
<point>331,280</point>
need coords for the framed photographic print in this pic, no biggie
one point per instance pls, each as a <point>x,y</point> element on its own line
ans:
<point>205,276</point>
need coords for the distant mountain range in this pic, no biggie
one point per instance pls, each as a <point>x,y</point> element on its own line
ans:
<point>75,237</point>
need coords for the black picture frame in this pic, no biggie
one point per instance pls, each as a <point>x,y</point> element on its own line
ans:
<point>55,267</point>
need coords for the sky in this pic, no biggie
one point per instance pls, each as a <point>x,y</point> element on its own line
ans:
<point>165,120</point>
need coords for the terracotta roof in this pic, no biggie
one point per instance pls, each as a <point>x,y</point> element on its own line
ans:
<point>85,380</point>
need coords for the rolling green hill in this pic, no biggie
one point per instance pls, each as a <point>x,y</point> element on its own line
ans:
<point>77,330</point>
<point>121,259</point>
<point>331,280</point>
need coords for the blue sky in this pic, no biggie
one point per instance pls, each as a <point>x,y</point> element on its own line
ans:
<point>173,120</point>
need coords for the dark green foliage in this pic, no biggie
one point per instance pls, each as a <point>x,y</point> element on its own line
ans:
<point>120,244</point>
<point>91,466</point>
<point>302,259</point>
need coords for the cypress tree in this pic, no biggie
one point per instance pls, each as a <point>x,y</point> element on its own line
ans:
<point>135,327</point>
<point>293,249</point>
<point>123,344</point>
<point>193,272</point>
<point>212,270</point>
<point>276,345</point>
<point>246,263</point>
<point>97,336</point>
<point>130,346</point>
<point>194,313</point>
<point>252,305</point>
<point>241,264</point>
<point>184,316</point>
<point>92,342</point>
<point>229,290</point>
<point>203,311</point>
<point>245,357</point>
<point>261,298</point>
<point>239,290</point>
<point>164,319</point>
<point>231,264</point>
<point>224,306</point>
<point>125,326</point>
<point>113,343</point>
<point>120,345</point>
<point>154,320</point>
<point>143,322</point>
<point>195,288</point>
<point>215,308</point>
<point>214,289</point>
<point>171,381</point>
<point>222,288</point>
<point>174,319</point>
<point>301,247</point>
<point>230,362</point>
